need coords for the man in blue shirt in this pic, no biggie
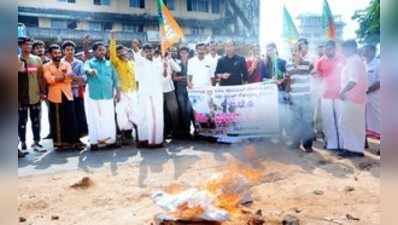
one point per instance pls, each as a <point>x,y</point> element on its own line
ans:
<point>102,89</point>
<point>78,83</point>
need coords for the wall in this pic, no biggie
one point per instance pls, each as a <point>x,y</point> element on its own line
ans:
<point>119,6</point>
<point>44,22</point>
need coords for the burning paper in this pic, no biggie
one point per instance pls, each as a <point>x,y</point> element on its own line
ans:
<point>192,205</point>
<point>218,200</point>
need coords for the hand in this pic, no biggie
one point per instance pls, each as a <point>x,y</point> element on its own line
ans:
<point>342,96</point>
<point>280,82</point>
<point>92,72</point>
<point>43,97</point>
<point>60,77</point>
<point>86,40</point>
<point>226,76</point>
<point>117,96</point>
<point>21,66</point>
<point>113,35</point>
<point>190,86</point>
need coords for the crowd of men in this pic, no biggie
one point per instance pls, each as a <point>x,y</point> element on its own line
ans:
<point>113,94</point>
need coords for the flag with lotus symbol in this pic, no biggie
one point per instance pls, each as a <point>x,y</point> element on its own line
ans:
<point>170,31</point>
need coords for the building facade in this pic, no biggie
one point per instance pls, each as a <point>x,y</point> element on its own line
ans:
<point>310,27</point>
<point>72,19</point>
<point>246,14</point>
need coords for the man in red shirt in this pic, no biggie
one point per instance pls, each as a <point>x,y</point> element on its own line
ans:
<point>328,68</point>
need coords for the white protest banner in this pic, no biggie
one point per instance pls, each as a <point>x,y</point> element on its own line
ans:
<point>233,113</point>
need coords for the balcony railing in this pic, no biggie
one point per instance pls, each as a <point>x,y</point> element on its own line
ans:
<point>62,34</point>
<point>59,35</point>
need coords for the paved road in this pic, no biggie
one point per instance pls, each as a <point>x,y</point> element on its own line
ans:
<point>54,161</point>
<point>182,151</point>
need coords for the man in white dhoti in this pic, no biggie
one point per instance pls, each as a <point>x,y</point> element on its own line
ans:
<point>150,75</point>
<point>354,85</point>
<point>102,83</point>
<point>328,68</point>
<point>373,104</point>
<point>126,108</point>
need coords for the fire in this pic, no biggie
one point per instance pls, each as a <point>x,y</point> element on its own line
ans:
<point>229,202</point>
<point>253,175</point>
<point>187,212</point>
<point>230,188</point>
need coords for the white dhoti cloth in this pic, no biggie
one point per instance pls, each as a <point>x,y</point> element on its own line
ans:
<point>352,126</point>
<point>150,118</point>
<point>126,110</point>
<point>330,111</point>
<point>373,115</point>
<point>100,120</point>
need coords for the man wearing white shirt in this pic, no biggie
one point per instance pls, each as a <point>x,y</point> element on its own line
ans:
<point>354,85</point>
<point>171,113</point>
<point>136,48</point>
<point>213,56</point>
<point>373,93</point>
<point>150,76</point>
<point>200,72</point>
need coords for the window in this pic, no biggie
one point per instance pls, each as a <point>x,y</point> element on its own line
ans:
<point>29,21</point>
<point>198,30</point>
<point>102,2</point>
<point>59,24</point>
<point>95,26</point>
<point>170,4</point>
<point>137,3</point>
<point>133,28</point>
<point>215,6</point>
<point>69,1</point>
<point>72,24</point>
<point>198,5</point>
<point>108,26</point>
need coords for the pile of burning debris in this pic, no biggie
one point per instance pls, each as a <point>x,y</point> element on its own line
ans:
<point>220,200</point>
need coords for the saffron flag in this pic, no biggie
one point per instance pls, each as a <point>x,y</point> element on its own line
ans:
<point>170,31</point>
<point>328,23</point>
<point>289,31</point>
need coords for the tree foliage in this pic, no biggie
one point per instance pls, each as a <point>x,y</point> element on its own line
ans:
<point>369,23</point>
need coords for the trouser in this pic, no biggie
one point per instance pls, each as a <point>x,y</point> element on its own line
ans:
<point>35,118</point>
<point>284,112</point>
<point>185,110</point>
<point>170,113</point>
<point>302,121</point>
<point>80,116</point>
<point>63,122</point>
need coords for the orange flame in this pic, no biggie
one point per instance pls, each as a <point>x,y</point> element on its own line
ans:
<point>228,189</point>
<point>186,212</point>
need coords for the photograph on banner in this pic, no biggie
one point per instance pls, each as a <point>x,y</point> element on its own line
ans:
<point>242,111</point>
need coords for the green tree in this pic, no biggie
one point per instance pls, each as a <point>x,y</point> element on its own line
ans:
<point>369,23</point>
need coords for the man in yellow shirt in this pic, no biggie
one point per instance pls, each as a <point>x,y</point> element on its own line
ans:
<point>127,105</point>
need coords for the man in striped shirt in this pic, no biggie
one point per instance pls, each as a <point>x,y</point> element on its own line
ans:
<point>299,75</point>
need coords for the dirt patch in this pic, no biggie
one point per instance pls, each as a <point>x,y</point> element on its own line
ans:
<point>84,183</point>
<point>123,198</point>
